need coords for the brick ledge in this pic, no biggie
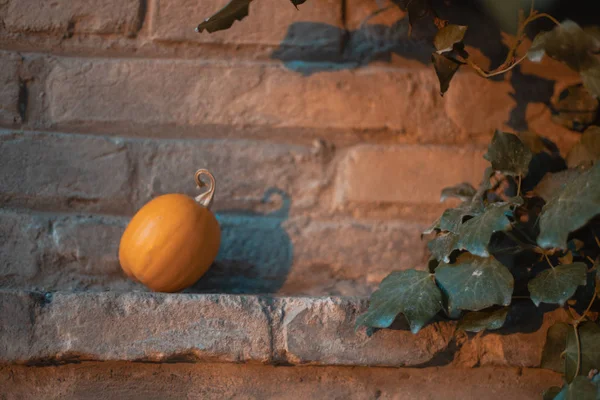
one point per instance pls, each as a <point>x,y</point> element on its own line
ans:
<point>56,328</point>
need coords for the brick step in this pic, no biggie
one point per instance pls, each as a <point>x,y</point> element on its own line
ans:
<point>259,253</point>
<point>112,175</point>
<point>132,95</point>
<point>218,381</point>
<point>50,328</point>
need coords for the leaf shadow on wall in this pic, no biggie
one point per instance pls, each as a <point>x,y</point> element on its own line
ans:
<point>310,48</point>
<point>256,253</point>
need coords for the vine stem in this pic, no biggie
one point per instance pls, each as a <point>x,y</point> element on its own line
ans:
<point>587,310</point>
<point>578,349</point>
<point>548,261</point>
<point>519,184</point>
<point>510,62</point>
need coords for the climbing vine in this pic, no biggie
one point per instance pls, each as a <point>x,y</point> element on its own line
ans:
<point>529,232</point>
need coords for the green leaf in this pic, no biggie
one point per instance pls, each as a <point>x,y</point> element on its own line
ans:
<point>448,36</point>
<point>235,10</point>
<point>445,68</point>
<point>589,340</point>
<point>442,246</point>
<point>582,388</point>
<point>551,393</point>
<point>474,283</point>
<point>591,78</point>
<point>556,342</point>
<point>412,293</point>
<point>508,154</point>
<point>463,191</point>
<point>553,183</point>
<point>567,43</point>
<point>570,209</point>
<point>557,285</point>
<point>477,321</point>
<point>296,3</point>
<point>587,150</point>
<point>475,234</point>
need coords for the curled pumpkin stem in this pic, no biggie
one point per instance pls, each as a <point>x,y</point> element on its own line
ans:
<point>205,199</point>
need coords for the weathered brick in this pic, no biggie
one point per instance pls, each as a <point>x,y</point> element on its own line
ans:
<point>406,174</point>
<point>112,380</point>
<point>272,22</point>
<point>350,257</point>
<point>267,95</point>
<point>65,172</point>
<point>61,252</point>
<point>21,248</point>
<point>67,17</point>
<point>136,326</point>
<point>9,88</point>
<point>321,331</point>
<point>479,105</point>
<point>245,171</point>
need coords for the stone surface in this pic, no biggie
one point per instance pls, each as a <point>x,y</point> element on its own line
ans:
<point>135,326</point>
<point>64,172</point>
<point>272,22</point>
<point>218,381</point>
<point>260,253</point>
<point>249,174</point>
<point>9,88</point>
<point>406,174</point>
<point>68,17</point>
<point>322,331</point>
<point>21,249</point>
<point>64,327</point>
<point>201,93</point>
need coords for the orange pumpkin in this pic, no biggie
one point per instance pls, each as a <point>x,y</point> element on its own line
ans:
<point>172,240</point>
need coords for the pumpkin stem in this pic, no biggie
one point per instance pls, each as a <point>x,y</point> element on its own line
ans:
<point>205,199</point>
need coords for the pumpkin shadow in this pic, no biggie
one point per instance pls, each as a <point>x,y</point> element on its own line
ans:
<point>256,253</point>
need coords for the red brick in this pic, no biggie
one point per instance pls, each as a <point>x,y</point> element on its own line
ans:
<point>477,104</point>
<point>191,93</point>
<point>9,88</point>
<point>271,22</point>
<point>409,174</point>
<point>73,16</point>
<point>67,172</point>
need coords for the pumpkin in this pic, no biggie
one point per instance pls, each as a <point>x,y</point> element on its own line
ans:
<point>172,240</point>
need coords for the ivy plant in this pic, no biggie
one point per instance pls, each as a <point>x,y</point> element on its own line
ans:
<point>530,231</point>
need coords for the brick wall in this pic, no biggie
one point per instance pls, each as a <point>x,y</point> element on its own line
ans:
<point>105,104</point>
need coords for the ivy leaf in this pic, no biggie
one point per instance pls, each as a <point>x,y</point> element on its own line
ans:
<point>587,150</point>
<point>568,43</point>
<point>445,68</point>
<point>551,393</point>
<point>508,154</point>
<point>589,341</point>
<point>474,283</point>
<point>554,183</point>
<point>581,388</point>
<point>556,341</point>
<point>296,3</point>
<point>235,10</point>
<point>412,293</point>
<point>464,191</point>
<point>591,78</point>
<point>442,246</point>
<point>477,321</point>
<point>448,36</point>
<point>557,285</point>
<point>570,209</point>
<point>475,234</point>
